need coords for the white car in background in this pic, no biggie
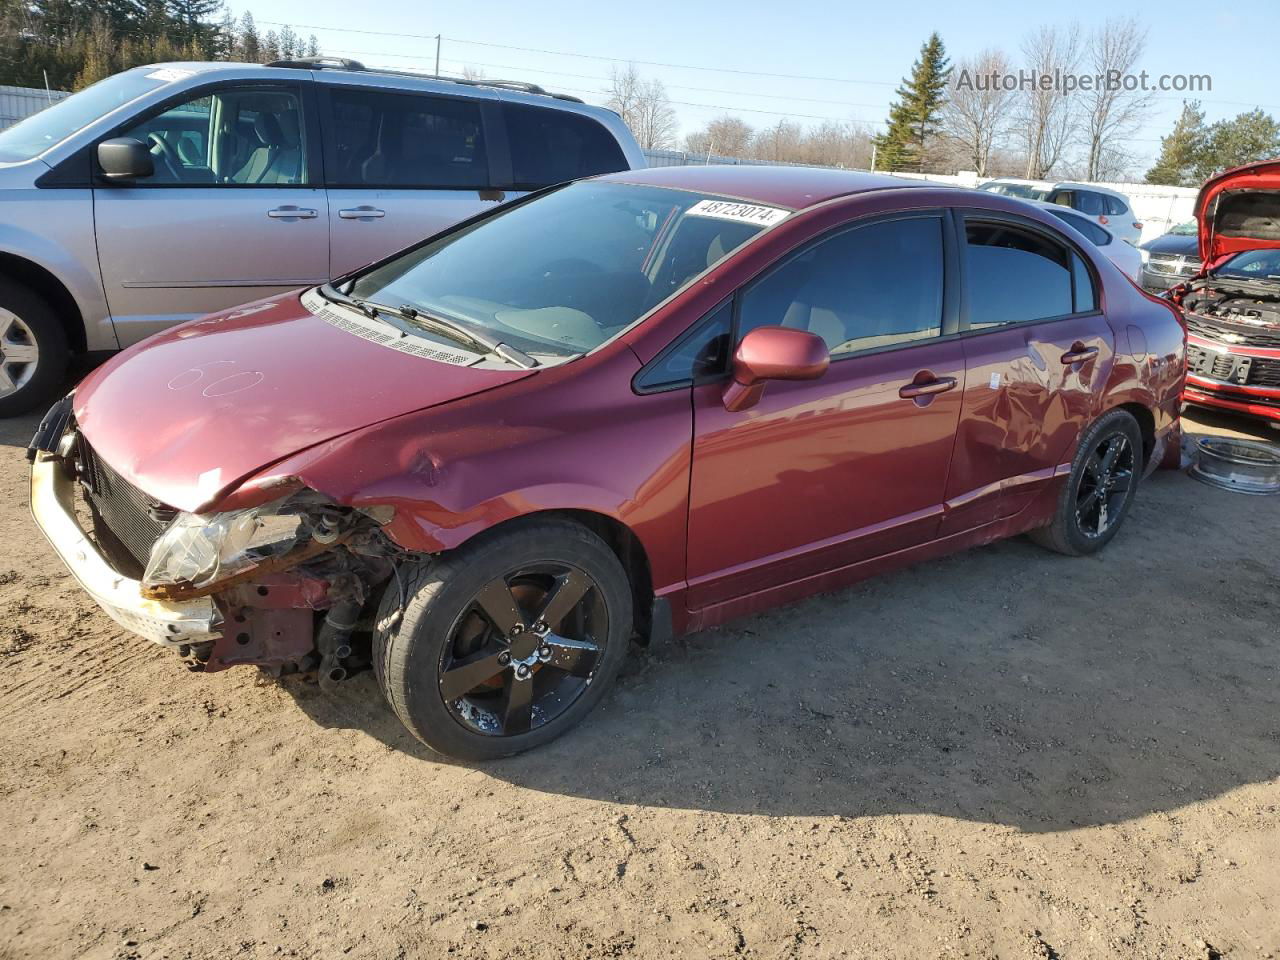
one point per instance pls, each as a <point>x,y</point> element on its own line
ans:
<point>1017,187</point>
<point>1120,252</point>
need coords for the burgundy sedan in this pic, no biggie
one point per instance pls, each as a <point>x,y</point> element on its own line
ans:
<point>630,406</point>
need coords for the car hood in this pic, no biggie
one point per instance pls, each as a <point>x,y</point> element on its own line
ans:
<point>189,413</point>
<point>1183,244</point>
<point>1239,210</point>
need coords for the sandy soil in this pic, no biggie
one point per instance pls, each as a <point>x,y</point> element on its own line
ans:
<point>1002,754</point>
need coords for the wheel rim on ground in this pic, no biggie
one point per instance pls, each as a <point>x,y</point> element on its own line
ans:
<point>1104,485</point>
<point>524,649</point>
<point>19,353</point>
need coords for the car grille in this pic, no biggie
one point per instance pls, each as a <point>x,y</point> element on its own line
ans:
<point>126,522</point>
<point>1235,335</point>
<point>1173,265</point>
<point>1232,368</point>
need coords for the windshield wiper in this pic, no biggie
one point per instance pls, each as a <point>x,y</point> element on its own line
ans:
<point>434,324</point>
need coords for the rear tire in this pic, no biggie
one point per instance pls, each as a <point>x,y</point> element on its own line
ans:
<point>33,350</point>
<point>476,678</point>
<point>1100,489</point>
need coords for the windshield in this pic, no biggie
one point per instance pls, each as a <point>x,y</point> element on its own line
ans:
<point>1024,191</point>
<point>563,273</point>
<point>1252,265</point>
<point>40,131</point>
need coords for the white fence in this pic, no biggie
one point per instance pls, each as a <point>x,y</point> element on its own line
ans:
<point>1158,207</point>
<point>17,103</point>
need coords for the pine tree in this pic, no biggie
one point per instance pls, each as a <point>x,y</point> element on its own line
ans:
<point>250,44</point>
<point>914,116</point>
<point>1247,137</point>
<point>1181,150</point>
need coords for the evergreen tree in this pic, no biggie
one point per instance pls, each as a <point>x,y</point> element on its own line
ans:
<point>249,43</point>
<point>313,46</point>
<point>1182,150</point>
<point>1243,139</point>
<point>914,116</point>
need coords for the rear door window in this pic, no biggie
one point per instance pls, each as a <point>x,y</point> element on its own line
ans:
<point>553,146</point>
<point>1014,275</point>
<point>390,139</point>
<point>1086,201</point>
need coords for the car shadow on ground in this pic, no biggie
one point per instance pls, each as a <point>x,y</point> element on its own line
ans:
<point>1005,685</point>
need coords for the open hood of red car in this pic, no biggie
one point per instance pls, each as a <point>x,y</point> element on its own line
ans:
<point>189,413</point>
<point>1239,210</point>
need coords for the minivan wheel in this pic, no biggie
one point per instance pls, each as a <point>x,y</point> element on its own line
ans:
<point>1098,493</point>
<point>506,642</point>
<point>33,350</point>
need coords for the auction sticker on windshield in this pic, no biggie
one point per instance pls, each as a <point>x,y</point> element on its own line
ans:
<point>741,212</point>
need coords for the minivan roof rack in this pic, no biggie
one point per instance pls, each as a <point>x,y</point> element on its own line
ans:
<point>342,63</point>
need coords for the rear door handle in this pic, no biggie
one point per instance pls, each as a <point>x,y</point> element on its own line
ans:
<point>361,213</point>
<point>929,387</point>
<point>290,212</point>
<point>1079,353</point>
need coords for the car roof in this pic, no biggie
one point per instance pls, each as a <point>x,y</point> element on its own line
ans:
<point>795,187</point>
<point>1071,185</point>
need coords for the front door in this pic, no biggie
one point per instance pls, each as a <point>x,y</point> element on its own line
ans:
<point>232,213</point>
<point>824,473</point>
<point>1037,354</point>
<point>401,166</point>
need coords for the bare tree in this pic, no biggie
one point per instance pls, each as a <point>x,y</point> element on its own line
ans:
<point>1046,117</point>
<point>644,107</point>
<point>474,74</point>
<point>726,136</point>
<point>836,144</point>
<point>1112,113</point>
<point>979,112</point>
<point>779,143</point>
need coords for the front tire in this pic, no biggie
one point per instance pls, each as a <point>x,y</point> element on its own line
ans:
<point>33,350</point>
<point>1100,489</point>
<point>505,643</point>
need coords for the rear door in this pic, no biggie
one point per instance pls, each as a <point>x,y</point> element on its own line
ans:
<point>401,166</point>
<point>233,212</point>
<point>825,473</point>
<point>1038,352</point>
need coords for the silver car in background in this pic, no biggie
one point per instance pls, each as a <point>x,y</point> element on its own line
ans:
<point>170,191</point>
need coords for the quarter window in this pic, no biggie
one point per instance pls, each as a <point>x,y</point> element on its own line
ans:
<point>703,352</point>
<point>383,139</point>
<point>869,287</point>
<point>553,146</point>
<point>1114,206</point>
<point>234,137</point>
<point>1014,275</point>
<point>1086,296</point>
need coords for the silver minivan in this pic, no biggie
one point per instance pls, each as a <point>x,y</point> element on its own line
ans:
<point>170,191</point>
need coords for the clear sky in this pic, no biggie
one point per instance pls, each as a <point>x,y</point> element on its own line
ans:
<point>862,50</point>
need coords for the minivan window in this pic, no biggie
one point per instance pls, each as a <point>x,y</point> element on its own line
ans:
<point>554,146</point>
<point>578,265</point>
<point>1014,275</point>
<point>237,137</point>
<point>388,139</point>
<point>40,131</point>
<point>864,288</point>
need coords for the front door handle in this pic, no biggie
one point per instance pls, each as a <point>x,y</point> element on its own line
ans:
<point>1079,353</point>
<point>927,388</point>
<point>290,212</point>
<point>361,213</point>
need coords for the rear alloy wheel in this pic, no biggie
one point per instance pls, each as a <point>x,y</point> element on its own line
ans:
<point>506,643</point>
<point>1097,495</point>
<point>33,350</point>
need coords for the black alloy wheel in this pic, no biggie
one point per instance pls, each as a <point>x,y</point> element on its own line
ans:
<point>1103,487</point>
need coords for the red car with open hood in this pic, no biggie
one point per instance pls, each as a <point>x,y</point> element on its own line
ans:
<point>630,406</point>
<point>1232,307</point>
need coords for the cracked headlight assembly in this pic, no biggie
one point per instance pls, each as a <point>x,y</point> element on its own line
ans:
<point>197,550</point>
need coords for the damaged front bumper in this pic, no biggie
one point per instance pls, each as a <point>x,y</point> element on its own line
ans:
<point>169,623</point>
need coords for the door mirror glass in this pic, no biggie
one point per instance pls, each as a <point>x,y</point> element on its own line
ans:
<point>125,158</point>
<point>773,353</point>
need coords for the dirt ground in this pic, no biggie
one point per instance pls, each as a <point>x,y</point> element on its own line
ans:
<point>1006,753</point>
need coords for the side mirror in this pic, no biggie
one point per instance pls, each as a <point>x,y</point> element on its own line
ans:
<point>773,353</point>
<point>125,158</point>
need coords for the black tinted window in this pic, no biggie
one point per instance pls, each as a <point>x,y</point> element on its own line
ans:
<point>1113,206</point>
<point>701,353</point>
<point>552,146</point>
<point>1086,201</point>
<point>869,287</point>
<point>404,140</point>
<point>1095,233</point>
<point>1086,295</point>
<point>1014,275</point>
